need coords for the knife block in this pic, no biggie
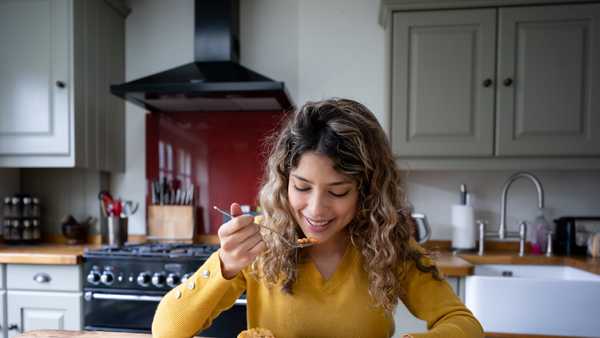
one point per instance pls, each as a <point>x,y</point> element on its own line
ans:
<point>171,222</point>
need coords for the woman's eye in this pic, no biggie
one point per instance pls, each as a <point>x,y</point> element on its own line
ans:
<point>301,189</point>
<point>339,195</point>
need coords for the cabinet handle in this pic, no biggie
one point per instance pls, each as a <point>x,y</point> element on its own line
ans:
<point>508,82</point>
<point>61,84</point>
<point>487,82</point>
<point>42,277</point>
<point>12,327</point>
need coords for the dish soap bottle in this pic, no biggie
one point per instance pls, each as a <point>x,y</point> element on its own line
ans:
<point>542,228</point>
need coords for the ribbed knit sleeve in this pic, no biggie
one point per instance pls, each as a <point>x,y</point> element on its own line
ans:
<point>435,302</point>
<point>191,306</point>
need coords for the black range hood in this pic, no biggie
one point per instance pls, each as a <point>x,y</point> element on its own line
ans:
<point>215,81</point>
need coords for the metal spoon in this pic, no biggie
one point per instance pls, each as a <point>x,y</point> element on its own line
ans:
<point>283,239</point>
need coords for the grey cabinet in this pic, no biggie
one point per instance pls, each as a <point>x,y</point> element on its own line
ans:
<point>496,82</point>
<point>440,104</point>
<point>549,81</point>
<point>42,297</point>
<point>32,310</point>
<point>57,61</point>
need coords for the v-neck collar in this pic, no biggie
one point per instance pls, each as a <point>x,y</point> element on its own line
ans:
<point>339,275</point>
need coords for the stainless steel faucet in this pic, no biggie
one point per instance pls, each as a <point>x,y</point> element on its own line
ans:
<point>502,232</point>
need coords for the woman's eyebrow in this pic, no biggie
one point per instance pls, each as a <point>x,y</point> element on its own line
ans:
<point>332,183</point>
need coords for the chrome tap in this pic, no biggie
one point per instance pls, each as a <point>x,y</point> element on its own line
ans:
<point>502,232</point>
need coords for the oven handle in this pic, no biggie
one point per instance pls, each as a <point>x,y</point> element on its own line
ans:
<point>88,296</point>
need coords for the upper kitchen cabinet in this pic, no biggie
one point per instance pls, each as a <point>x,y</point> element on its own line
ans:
<point>549,81</point>
<point>57,61</point>
<point>497,83</point>
<point>443,70</point>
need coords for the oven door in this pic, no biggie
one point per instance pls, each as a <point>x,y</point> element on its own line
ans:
<point>133,312</point>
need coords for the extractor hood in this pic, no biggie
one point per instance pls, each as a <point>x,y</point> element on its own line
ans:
<point>215,81</point>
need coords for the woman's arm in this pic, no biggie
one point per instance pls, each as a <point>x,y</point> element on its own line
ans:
<point>435,302</point>
<point>191,306</point>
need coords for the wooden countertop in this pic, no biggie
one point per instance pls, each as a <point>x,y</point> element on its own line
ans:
<point>453,266</point>
<point>42,254</point>
<point>450,265</point>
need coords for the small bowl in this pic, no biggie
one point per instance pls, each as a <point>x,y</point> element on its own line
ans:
<point>75,233</point>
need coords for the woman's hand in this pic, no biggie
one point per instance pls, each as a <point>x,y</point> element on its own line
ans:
<point>241,242</point>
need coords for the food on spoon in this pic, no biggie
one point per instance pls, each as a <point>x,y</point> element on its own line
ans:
<point>307,240</point>
<point>256,332</point>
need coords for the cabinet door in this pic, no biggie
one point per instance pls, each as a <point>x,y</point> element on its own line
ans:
<point>37,310</point>
<point>35,77</point>
<point>550,54</point>
<point>443,72</point>
<point>3,328</point>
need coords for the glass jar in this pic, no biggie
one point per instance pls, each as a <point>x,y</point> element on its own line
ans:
<point>26,210</point>
<point>27,230</point>
<point>6,228</point>
<point>35,207</point>
<point>15,230</point>
<point>6,207</point>
<point>35,231</point>
<point>15,207</point>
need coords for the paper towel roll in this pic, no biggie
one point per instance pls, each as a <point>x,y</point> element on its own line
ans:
<point>463,227</point>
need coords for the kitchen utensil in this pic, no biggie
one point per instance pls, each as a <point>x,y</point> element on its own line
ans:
<point>129,208</point>
<point>116,231</point>
<point>277,233</point>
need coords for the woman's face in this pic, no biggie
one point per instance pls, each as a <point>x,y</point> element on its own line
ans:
<point>323,200</point>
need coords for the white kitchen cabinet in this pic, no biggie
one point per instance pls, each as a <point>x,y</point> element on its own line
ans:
<point>405,322</point>
<point>43,297</point>
<point>58,59</point>
<point>4,329</point>
<point>495,82</point>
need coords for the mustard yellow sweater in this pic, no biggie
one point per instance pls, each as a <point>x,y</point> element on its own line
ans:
<point>337,307</point>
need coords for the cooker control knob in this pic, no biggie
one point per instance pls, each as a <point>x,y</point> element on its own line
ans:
<point>93,278</point>
<point>172,280</point>
<point>107,278</point>
<point>143,279</point>
<point>158,279</point>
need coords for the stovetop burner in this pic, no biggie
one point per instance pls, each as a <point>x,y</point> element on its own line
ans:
<point>154,250</point>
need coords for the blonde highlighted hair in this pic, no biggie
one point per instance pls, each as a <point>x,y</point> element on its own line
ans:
<point>348,133</point>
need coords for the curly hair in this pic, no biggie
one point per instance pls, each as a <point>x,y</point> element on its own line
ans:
<point>349,134</point>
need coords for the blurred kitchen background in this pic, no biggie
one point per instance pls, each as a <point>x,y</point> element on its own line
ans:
<point>319,49</point>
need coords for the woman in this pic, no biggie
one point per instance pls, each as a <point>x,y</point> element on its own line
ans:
<point>330,176</point>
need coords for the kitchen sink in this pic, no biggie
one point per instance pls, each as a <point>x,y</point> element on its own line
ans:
<point>535,299</point>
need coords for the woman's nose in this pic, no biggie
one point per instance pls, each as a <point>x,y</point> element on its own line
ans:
<point>317,205</point>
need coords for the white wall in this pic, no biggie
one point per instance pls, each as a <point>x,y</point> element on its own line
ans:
<point>323,49</point>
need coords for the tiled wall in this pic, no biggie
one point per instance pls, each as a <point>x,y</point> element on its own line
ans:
<point>220,152</point>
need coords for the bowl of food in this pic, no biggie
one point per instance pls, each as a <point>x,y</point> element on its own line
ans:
<point>256,332</point>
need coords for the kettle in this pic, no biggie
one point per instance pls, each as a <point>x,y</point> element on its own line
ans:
<point>420,222</point>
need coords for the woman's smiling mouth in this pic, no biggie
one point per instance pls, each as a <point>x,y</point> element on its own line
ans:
<point>317,225</point>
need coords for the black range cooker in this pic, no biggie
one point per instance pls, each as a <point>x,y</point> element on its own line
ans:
<point>123,286</point>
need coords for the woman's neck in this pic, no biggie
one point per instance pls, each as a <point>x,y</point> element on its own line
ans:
<point>334,247</point>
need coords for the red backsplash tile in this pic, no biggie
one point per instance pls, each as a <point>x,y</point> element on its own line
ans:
<point>222,154</point>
